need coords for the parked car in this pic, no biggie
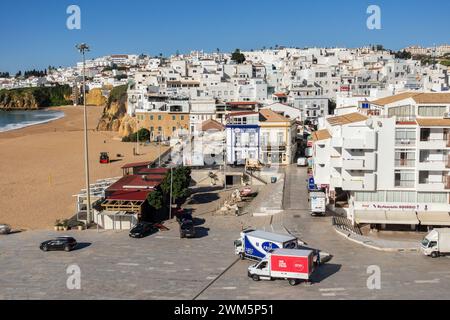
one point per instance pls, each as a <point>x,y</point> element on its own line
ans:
<point>59,244</point>
<point>4,228</point>
<point>187,229</point>
<point>143,229</point>
<point>183,215</point>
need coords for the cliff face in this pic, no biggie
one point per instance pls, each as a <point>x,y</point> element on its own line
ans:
<point>11,101</point>
<point>34,98</point>
<point>115,116</point>
<point>95,98</point>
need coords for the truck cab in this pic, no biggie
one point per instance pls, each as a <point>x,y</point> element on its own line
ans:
<point>436,242</point>
<point>260,270</point>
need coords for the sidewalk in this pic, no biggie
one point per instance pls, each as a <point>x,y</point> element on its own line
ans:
<point>380,244</point>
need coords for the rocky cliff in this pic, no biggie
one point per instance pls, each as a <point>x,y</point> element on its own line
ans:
<point>95,97</point>
<point>115,116</point>
<point>35,98</point>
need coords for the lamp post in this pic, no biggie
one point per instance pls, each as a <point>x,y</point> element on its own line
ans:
<point>83,48</point>
<point>171,187</point>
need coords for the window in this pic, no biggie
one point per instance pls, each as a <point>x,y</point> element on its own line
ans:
<point>402,112</point>
<point>405,158</point>
<point>151,128</point>
<point>404,179</point>
<point>401,196</point>
<point>159,129</point>
<point>432,197</point>
<point>369,196</point>
<point>173,118</point>
<point>429,111</point>
<point>151,117</point>
<point>159,117</point>
<point>173,129</point>
<point>405,137</point>
<point>181,117</point>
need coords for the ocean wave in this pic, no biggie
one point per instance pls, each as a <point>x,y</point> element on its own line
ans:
<point>38,119</point>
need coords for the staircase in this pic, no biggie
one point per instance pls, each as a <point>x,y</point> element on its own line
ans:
<point>346,225</point>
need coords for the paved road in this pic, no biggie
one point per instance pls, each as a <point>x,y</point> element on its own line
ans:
<point>403,275</point>
<point>163,266</point>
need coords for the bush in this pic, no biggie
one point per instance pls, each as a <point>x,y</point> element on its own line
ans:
<point>144,135</point>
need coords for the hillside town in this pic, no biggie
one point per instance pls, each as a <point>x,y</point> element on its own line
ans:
<point>347,147</point>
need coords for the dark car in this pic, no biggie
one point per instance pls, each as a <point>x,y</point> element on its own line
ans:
<point>143,229</point>
<point>59,244</point>
<point>187,229</point>
<point>184,216</point>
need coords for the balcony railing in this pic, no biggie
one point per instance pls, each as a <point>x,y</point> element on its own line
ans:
<point>405,142</point>
<point>405,163</point>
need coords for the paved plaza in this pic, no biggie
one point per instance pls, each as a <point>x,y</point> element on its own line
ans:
<point>163,266</point>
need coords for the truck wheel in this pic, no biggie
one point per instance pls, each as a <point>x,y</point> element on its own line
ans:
<point>435,254</point>
<point>241,256</point>
<point>255,277</point>
<point>293,282</point>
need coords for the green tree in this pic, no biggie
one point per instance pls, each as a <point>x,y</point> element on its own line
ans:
<point>155,199</point>
<point>238,57</point>
<point>180,183</point>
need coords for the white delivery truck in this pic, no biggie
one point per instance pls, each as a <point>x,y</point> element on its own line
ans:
<point>287,264</point>
<point>255,244</point>
<point>317,200</point>
<point>436,243</point>
<point>302,162</point>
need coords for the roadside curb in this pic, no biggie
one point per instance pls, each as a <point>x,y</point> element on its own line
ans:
<point>348,236</point>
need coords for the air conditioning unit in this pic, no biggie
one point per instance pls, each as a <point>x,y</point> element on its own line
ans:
<point>405,141</point>
<point>447,115</point>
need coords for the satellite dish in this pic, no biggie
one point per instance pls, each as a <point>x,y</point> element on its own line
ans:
<point>369,123</point>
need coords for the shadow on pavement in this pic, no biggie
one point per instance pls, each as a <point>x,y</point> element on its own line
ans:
<point>324,271</point>
<point>203,198</point>
<point>82,245</point>
<point>201,232</point>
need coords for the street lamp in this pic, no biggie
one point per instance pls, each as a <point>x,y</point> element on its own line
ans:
<point>83,48</point>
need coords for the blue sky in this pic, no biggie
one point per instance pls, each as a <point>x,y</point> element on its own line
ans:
<point>34,34</point>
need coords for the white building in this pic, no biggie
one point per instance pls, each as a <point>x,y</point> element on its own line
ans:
<point>394,165</point>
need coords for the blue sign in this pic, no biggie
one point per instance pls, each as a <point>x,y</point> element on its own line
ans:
<point>311,184</point>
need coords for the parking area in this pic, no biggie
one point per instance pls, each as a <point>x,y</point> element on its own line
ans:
<point>163,266</point>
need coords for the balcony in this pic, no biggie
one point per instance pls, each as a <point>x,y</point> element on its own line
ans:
<point>336,162</point>
<point>436,165</point>
<point>404,143</point>
<point>336,182</point>
<point>369,142</point>
<point>405,163</point>
<point>337,142</point>
<point>368,163</point>
<point>434,144</point>
<point>366,183</point>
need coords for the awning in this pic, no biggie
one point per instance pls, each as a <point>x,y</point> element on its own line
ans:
<point>402,217</point>
<point>370,216</point>
<point>434,218</point>
<point>385,217</point>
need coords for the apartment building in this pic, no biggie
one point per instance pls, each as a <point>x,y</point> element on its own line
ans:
<point>394,164</point>
<point>265,135</point>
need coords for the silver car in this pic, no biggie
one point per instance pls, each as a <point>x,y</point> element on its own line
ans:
<point>4,229</point>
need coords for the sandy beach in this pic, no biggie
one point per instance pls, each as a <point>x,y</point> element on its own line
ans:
<point>42,166</point>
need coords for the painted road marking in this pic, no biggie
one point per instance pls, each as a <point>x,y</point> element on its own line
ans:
<point>229,288</point>
<point>168,262</point>
<point>332,289</point>
<point>128,264</point>
<point>331,294</point>
<point>427,281</point>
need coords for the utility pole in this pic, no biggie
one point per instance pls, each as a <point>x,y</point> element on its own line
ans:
<point>137,137</point>
<point>83,48</point>
<point>171,186</point>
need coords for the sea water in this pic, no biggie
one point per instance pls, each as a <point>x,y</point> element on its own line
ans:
<point>12,120</point>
